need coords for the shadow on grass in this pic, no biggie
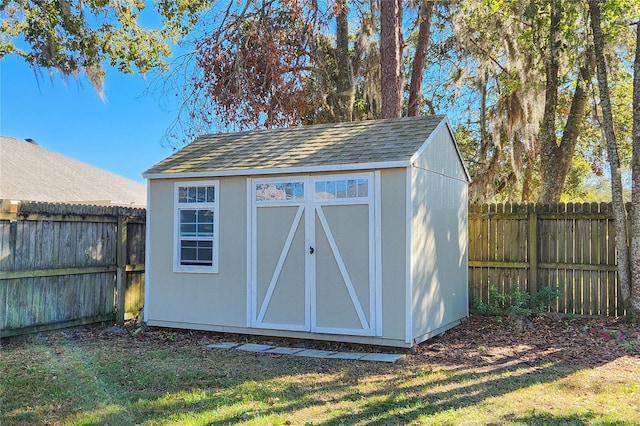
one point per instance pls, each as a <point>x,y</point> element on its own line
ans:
<point>381,395</point>
<point>129,381</point>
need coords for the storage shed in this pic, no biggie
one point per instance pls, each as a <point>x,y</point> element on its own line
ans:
<point>352,232</point>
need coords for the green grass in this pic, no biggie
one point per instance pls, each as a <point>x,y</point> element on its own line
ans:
<point>124,380</point>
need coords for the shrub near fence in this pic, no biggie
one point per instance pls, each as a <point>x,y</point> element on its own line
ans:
<point>60,265</point>
<point>528,246</point>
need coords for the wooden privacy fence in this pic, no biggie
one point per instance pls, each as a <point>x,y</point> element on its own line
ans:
<point>528,246</point>
<point>64,265</point>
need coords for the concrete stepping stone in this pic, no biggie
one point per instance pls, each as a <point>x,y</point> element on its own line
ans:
<point>314,353</point>
<point>223,345</point>
<point>310,353</point>
<point>347,355</point>
<point>284,351</point>
<point>391,358</point>
<point>254,347</point>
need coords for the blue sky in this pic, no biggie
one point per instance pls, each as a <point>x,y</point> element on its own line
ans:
<point>122,134</point>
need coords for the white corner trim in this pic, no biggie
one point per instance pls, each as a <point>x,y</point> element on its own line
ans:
<point>409,260</point>
<point>147,255</point>
<point>377,234</point>
<point>250,255</point>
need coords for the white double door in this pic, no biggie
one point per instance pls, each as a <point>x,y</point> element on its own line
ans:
<point>312,254</point>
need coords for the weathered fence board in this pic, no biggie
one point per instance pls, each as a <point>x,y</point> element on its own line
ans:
<point>59,263</point>
<point>567,246</point>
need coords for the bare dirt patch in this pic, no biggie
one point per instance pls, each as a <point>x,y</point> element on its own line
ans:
<point>580,342</point>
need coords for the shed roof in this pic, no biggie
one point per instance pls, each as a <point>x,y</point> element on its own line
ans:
<point>29,172</point>
<point>336,146</point>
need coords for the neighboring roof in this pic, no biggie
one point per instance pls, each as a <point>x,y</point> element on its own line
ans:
<point>337,146</point>
<point>29,172</point>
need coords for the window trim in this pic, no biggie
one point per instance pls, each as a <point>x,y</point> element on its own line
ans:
<point>215,207</point>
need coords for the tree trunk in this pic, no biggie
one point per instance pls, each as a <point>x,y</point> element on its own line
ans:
<point>634,249</point>
<point>555,159</point>
<point>619,215</point>
<point>420,58</point>
<point>548,190</point>
<point>391,57</point>
<point>483,186</point>
<point>344,83</point>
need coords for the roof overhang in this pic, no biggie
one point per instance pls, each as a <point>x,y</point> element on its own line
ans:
<point>277,171</point>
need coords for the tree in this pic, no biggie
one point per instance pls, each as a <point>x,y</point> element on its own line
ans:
<point>391,48</point>
<point>345,87</point>
<point>555,158</point>
<point>420,57</point>
<point>73,37</point>
<point>634,218</point>
<point>628,260</point>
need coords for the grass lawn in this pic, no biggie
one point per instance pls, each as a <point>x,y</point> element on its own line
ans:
<point>95,376</point>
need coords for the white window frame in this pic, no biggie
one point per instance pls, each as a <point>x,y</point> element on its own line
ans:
<point>214,206</point>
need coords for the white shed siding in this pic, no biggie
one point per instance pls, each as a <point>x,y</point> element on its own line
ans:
<point>439,252</point>
<point>198,298</point>
<point>438,238</point>
<point>393,245</point>
<point>441,156</point>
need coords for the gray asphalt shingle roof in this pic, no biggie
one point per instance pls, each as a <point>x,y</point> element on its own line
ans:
<point>29,172</point>
<point>353,143</point>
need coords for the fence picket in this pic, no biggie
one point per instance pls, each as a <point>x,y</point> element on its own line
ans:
<point>571,247</point>
<point>58,265</point>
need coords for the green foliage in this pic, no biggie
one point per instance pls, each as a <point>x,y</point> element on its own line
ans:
<point>516,302</point>
<point>74,37</point>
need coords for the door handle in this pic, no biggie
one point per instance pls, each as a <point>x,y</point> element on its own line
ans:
<point>311,250</point>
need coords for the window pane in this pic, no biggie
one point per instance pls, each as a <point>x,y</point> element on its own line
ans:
<point>191,194</point>
<point>196,252</point>
<point>187,216</point>
<point>363,188</point>
<point>205,216</point>
<point>351,189</point>
<point>344,188</point>
<point>188,230</point>
<point>201,194</point>
<point>187,254</point>
<point>205,230</point>
<point>182,194</point>
<point>211,195</point>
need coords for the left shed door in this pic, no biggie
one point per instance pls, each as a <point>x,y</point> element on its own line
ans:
<point>280,285</point>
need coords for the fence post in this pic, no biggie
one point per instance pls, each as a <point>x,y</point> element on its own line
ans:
<point>121,275</point>
<point>532,247</point>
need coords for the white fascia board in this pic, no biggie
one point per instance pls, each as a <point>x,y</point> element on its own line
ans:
<point>286,170</point>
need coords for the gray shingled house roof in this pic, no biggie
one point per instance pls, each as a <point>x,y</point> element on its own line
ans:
<point>29,172</point>
<point>353,145</point>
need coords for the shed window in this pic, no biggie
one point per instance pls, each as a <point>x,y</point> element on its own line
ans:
<point>342,188</point>
<point>280,191</point>
<point>196,232</point>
